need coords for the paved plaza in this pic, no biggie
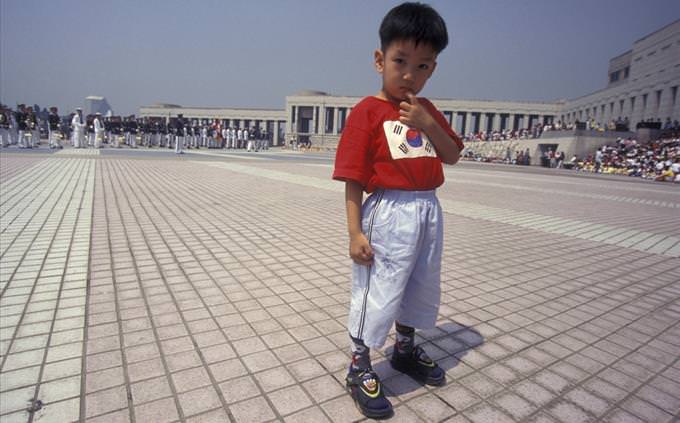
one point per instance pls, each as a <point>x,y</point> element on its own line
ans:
<point>141,286</point>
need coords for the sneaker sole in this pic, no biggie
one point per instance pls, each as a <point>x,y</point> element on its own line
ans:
<point>367,412</point>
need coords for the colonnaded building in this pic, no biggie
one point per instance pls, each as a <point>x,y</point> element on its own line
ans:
<point>643,84</point>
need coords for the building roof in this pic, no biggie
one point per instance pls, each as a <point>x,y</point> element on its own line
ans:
<point>310,93</point>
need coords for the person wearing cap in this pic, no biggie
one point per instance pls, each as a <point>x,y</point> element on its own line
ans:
<point>13,127</point>
<point>20,117</point>
<point>180,132</point>
<point>4,126</point>
<point>53,134</point>
<point>78,125</point>
<point>34,125</point>
<point>98,130</point>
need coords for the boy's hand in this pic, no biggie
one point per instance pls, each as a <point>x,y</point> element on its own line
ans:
<point>360,250</point>
<point>414,114</point>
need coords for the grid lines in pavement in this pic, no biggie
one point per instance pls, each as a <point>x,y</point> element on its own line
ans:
<point>219,291</point>
<point>46,219</point>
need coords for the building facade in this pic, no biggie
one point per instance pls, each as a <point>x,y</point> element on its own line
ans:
<point>320,117</point>
<point>643,83</point>
<point>97,104</point>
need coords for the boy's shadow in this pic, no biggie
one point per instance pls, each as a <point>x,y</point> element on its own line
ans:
<point>446,344</point>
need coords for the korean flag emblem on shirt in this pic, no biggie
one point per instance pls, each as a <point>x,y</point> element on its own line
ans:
<point>407,143</point>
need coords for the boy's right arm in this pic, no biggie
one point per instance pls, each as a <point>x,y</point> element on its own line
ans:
<point>359,248</point>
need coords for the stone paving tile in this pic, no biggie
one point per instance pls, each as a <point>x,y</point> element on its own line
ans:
<point>209,300</point>
<point>44,248</point>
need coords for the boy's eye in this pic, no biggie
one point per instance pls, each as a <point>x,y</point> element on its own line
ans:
<point>424,66</point>
<point>399,60</point>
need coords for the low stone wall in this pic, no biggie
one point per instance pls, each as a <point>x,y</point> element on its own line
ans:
<point>571,144</point>
<point>325,142</point>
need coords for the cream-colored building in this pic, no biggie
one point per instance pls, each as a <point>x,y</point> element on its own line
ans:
<point>320,117</point>
<point>643,83</point>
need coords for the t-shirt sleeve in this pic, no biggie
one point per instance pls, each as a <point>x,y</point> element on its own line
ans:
<point>441,120</point>
<point>352,159</point>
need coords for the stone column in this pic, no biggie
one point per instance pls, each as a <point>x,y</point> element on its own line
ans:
<point>510,123</point>
<point>336,111</point>
<point>482,121</point>
<point>497,121</point>
<point>468,122</point>
<point>297,120</point>
<point>315,119</point>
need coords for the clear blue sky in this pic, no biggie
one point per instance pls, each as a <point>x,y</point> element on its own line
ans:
<point>248,53</point>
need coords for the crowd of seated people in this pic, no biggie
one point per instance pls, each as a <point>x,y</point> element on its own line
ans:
<point>659,160</point>
<point>669,128</point>
<point>506,155</point>
<point>502,135</point>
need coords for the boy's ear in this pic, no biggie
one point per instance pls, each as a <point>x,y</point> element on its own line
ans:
<point>379,60</point>
<point>434,66</point>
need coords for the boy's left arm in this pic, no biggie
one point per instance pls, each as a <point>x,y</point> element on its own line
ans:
<point>416,115</point>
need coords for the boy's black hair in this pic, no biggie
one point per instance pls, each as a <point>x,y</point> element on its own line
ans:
<point>414,21</point>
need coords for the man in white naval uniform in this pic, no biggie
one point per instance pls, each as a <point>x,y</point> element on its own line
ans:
<point>239,137</point>
<point>13,129</point>
<point>78,126</point>
<point>204,136</point>
<point>98,130</point>
<point>225,136</point>
<point>250,145</point>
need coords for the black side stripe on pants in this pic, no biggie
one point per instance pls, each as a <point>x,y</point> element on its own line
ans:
<point>362,319</point>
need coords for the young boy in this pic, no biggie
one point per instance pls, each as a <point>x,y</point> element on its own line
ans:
<point>393,147</point>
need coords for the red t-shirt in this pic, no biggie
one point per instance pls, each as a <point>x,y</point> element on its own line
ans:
<point>378,151</point>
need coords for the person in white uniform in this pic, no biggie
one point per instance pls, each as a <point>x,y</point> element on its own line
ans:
<point>13,130</point>
<point>78,128</point>
<point>239,137</point>
<point>98,130</point>
<point>250,145</point>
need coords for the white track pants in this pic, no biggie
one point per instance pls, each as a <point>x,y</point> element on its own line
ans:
<point>405,230</point>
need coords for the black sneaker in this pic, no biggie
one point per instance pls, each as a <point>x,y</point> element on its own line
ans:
<point>366,391</point>
<point>418,365</point>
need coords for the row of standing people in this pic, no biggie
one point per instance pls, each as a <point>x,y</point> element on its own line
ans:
<point>22,128</point>
<point>190,135</point>
<point>178,133</point>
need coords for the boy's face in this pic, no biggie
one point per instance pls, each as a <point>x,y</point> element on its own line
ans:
<point>405,68</point>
